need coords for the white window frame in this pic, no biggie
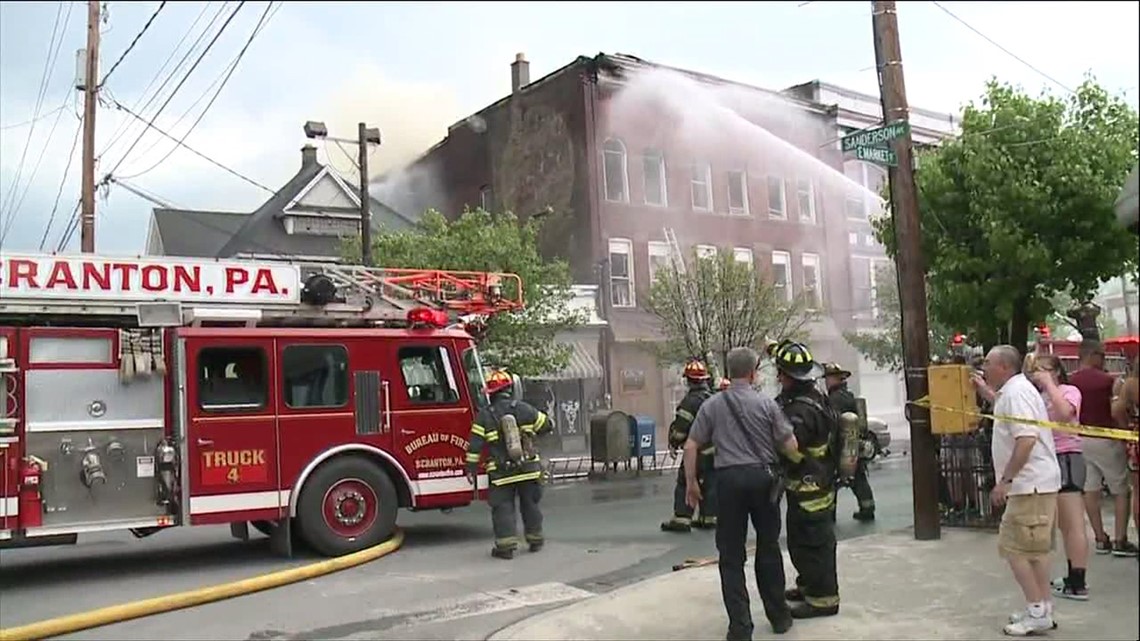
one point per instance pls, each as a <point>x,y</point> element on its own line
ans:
<point>694,185</point>
<point>741,176</point>
<point>485,198</point>
<point>618,154</point>
<point>656,249</point>
<point>705,251</point>
<point>808,217</point>
<point>853,238</point>
<point>782,214</point>
<point>743,255</point>
<point>783,260</point>
<point>812,261</point>
<point>623,246</point>
<point>662,179</point>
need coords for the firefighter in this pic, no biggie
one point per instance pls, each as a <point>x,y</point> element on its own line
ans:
<point>697,377</point>
<point>508,428</point>
<point>810,483</point>
<point>842,400</point>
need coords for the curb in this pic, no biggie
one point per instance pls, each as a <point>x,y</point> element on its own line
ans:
<point>138,609</point>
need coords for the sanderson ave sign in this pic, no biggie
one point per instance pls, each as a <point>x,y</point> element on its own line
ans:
<point>879,137</point>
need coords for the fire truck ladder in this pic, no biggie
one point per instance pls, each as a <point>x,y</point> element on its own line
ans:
<point>330,295</point>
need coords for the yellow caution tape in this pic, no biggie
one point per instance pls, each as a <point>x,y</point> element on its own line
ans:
<point>1071,428</point>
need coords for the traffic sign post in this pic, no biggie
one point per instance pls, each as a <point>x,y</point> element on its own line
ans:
<point>874,145</point>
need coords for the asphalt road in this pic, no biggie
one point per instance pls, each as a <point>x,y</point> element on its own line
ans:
<point>443,584</point>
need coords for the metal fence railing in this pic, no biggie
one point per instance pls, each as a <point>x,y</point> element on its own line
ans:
<point>569,468</point>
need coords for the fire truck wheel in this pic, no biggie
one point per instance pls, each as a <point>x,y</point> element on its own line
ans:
<point>347,505</point>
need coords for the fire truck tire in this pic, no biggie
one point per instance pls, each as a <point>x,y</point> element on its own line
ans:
<point>347,505</point>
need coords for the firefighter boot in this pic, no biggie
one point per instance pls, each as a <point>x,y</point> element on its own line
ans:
<point>794,595</point>
<point>677,524</point>
<point>805,610</point>
<point>866,516</point>
<point>505,554</point>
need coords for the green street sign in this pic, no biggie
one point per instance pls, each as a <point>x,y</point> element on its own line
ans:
<point>879,137</point>
<point>877,155</point>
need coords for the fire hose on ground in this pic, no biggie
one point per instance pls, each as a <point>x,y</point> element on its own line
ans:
<point>137,609</point>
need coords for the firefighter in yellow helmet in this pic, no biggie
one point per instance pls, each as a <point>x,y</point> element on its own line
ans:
<point>810,482</point>
<point>507,429</point>
<point>842,400</point>
<point>697,377</point>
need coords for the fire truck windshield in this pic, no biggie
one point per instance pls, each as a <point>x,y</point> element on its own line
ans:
<point>476,384</point>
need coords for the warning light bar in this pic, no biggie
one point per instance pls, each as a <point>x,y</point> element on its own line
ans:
<point>423,316</point>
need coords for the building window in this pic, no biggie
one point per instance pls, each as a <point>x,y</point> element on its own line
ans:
<point>856,205</point>
<point>738,193</point>
<point>427,374</point>
<point>700,184</point>
<point>653,170</point>
<point>485,198</point>
<point>705,251</point>
<point>805,194</point>
<point>621,272</point>
<point>232,379</point>
<point>782,273</point>
<point>812,286</point>
<point>658,258</point>
<point>742,255</point>
<point>777,201</point>
<point>863,277</point>
<point>615,174</point>
<point>315,375</point>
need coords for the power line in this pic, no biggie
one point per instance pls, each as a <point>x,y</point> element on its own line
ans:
<point>49,66</point>
<point>133,43</point>
<point>41,117</point>
<point>62,183</point>
<point>175,91</point>
<point>69,231</point>
<point>233,67</point>
<point>123,127</point>
<point>1003,49</point>
<point>201,155</point>
<point>15,209</point>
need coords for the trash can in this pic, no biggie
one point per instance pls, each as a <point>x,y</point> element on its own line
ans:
<point>643,439</point>
<point>609,437</point>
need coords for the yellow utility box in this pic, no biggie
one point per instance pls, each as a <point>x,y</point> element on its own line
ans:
<point>950,388</point>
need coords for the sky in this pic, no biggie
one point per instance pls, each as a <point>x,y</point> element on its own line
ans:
<point>413,68</point>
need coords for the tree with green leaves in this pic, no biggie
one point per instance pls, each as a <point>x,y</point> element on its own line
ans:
<point>719,303</point>
<point>521,341</point>
<point>1020,207</point>
<point>882,345</point>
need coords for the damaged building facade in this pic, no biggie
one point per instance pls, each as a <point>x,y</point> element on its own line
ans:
<point>609,179</point>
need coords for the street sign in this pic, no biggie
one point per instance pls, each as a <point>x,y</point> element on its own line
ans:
<point>877,155</point>
<point>879,137</point>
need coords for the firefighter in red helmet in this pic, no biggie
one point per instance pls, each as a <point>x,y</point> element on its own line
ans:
<point>507,429</point>
<point>697,377</point>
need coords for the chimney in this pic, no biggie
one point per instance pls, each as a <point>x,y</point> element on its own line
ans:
<point>520,73</point>
<point>308,156</point>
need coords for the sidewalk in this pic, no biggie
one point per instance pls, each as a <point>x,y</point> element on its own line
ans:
<point>892,587</point>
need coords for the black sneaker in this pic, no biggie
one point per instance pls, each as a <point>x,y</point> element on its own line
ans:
<point>1124,549</point>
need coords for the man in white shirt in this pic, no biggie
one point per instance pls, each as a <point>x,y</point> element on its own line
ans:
<point>1028,480</point>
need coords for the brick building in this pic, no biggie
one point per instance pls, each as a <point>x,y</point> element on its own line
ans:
<point>610,178</point>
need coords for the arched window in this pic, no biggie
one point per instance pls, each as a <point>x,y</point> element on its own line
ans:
<point>614,174</point>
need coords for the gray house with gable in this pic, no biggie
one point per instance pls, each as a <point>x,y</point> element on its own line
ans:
<point>307,219</point>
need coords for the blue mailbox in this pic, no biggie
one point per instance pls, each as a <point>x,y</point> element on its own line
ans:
<point>642,436</point>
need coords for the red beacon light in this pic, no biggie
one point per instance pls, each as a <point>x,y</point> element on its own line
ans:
<point>424,317</point>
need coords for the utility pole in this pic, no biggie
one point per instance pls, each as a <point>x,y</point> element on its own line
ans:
<point>90,88</point>
<point>365,199</point>
<point>911,269</point>
<point>365,135</point>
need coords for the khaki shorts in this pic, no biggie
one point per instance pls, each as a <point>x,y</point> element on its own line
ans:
<point>1106,462</point>
<point>1026,530</point>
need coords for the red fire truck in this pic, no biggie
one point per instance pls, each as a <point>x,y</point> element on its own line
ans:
<point>142,394</point>
<point>1119,352</point>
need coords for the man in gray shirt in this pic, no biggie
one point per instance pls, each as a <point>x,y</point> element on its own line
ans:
<point>750,432</point>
